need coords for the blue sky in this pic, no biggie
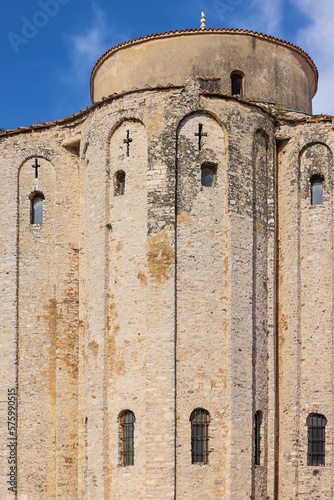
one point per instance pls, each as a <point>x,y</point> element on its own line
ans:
<point>48,47</point>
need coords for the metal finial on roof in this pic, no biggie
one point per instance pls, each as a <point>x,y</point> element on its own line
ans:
<point>203,21</point>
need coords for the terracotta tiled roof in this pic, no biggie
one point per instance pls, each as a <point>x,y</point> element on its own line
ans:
<point>45,125</point>
<point>203,32</point>
<point>106,100</point>
<point>275,112</point>
<point>83,112</point>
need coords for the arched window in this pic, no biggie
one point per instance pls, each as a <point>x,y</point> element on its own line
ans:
<point>200,420</point>
<point>208,175</point>
<point>37,208</point>
<point>127,421</point>
<point>316,439</point>
<point>257,437</point>
<point>119,183</point>
<point>237,83</point>
<point>316,189</point>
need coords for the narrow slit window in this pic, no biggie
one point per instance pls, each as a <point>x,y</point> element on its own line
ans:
<point>37,209</point>
<point>120,183</point>
<point>127,421</point>
<point>316,439</point>
<point>237,84</point>
<point>257,437</point>
<point>208,175</point>
<point>316,190</point>
<point>200,420</point>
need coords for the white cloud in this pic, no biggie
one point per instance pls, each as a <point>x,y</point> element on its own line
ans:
<point>86,47</point>
<point>317,40</point>
<point>260,15</point>
<point>267,16</point>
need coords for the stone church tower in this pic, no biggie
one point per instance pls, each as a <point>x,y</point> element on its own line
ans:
<point>167,280</point>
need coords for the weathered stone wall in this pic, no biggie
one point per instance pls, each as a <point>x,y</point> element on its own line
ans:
<point>127,317</point>
<point>305,327</point>
<point>37,376</point>
<point>197,331</point>
<point>43,362</point>
<point>134,368</point>
<point>202,217</point>
<point>163,299</point>
<point>260,308</point>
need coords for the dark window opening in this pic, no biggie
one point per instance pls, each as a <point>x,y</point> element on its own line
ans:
<point>316,190</point>
<point>37,208</point>
<point>119,183</point>
<point>208,175</point>
<point>237,84</point>
<point>257,437</point>
<point>200,420</point>
<point>316,439</point>
<point>127,421</point>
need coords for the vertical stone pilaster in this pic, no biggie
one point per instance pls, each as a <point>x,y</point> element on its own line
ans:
<point>96,288</point>
<point>37,343</point>
<point>201,302</point>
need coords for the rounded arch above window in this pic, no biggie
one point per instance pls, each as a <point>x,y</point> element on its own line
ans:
<point>316,420</point>
<point>200,415</point>
<point>258,415</point>
<point>36,208</point>
<point>127,415</point>
<point>237,83</point>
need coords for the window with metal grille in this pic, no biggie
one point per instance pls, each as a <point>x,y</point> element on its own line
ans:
<point>257,437</point>
<point>316,189</point>
<point>200,420</point>
<point>119,183</point>
<point>37,200</point>
<point>316,439</point>
<point>127,420</point>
